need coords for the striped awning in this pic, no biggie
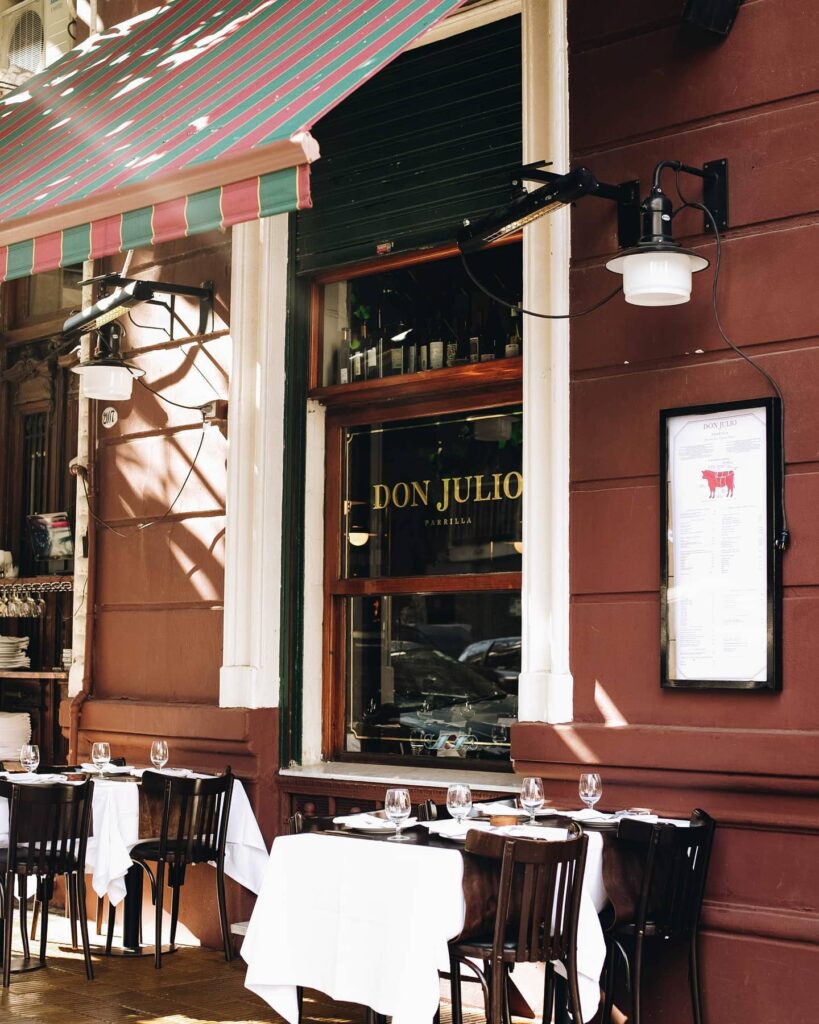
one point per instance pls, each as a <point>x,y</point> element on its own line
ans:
<point>193,116</point>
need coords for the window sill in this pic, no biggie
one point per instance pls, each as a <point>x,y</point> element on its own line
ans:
<point>391,775</point>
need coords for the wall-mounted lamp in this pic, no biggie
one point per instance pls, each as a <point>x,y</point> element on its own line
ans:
<point>358,538</point>
<point>106,375</point>
<point>656,270</point>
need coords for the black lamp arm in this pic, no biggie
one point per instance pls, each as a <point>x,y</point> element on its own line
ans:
<point>714,175</point>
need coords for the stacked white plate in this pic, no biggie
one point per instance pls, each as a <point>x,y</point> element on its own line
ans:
<point>13,652</point>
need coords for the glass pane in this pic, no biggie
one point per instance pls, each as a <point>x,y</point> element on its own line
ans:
<point>55,290</point>
<point>426,317</point>
<point>437,496</point>
<point>422,677</point>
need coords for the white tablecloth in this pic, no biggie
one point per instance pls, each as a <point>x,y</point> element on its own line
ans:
<point>369,923</point>
<point>115,812</point>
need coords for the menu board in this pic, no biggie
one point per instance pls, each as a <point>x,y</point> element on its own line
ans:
<point>718,554</point>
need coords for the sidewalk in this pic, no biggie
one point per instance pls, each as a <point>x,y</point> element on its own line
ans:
<point>194,986</point>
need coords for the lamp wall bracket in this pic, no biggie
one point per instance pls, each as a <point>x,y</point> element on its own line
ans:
<point>715,193</point>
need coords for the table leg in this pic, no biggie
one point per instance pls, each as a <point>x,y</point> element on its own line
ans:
<point>132,911</point>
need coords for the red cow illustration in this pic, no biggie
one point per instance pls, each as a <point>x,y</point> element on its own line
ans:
<point>723,478</point>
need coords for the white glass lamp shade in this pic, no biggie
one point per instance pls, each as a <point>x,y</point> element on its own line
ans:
<point>358,538</point>
<point>657,278</point>
<point>106,381</point>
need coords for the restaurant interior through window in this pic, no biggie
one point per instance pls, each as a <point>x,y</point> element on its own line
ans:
<point>424,590</point>
<point>420,373</point>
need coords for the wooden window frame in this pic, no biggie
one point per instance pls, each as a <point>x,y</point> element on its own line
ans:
<point>450,390</point>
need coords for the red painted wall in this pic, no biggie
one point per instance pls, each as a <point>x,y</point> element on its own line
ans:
<point>642,90</point>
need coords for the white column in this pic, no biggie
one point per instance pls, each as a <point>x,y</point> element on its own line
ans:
<point>258,309</point>
<point>81,611</point>
<point>546,682</point>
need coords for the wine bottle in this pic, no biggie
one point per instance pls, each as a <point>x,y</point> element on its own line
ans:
<point>343,358</point>
<point>356,360</point>
<point>513,344</point>
<point>436,347</point>
<point>372,367</point>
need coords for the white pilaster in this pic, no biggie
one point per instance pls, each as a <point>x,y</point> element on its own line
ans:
<point>258,307</point>
<point>545,691</point>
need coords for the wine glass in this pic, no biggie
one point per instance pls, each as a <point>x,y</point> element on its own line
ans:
<point>101,755</point>
<point>30,756</point>
<point>531,796</point>
<point>397,806</point>
<point>459,800</point>
<point>591,788</point>
<point>159,754</point>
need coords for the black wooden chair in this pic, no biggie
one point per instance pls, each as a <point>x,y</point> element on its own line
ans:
<point>538,903</point>
<point>674,869</point>
<point>48,833</point>
<point>194,831</point>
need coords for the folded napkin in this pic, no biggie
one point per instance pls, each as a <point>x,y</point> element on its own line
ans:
<point>532,832</point>
<point>32,777</point>
<point>497,807</point>
<point>177,773</point>
<point>588,814</point>
<point>452,829</point>
<point>112,769</point>
<point>370,821</point>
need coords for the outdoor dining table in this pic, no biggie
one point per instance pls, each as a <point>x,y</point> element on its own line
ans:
<point>368,921</point>
<point>121,816</point>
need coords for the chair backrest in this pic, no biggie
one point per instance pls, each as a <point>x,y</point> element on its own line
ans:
<point>194,816</point>
<point>538,892</point>
<point>675,866</point>
<point>48,827</point>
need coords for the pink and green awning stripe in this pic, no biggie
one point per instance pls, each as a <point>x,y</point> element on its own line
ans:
<point>193,116</point>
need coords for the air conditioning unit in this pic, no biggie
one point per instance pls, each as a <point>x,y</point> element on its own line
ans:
<point>22,41</point>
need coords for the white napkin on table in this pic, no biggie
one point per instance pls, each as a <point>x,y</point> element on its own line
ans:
<point>588,814</point>
<point>496,807</point>
<point>32,777</point>
<point>365,820</point>
<point>452,829</point>
<point>532,832</point>
<point>111,769</point>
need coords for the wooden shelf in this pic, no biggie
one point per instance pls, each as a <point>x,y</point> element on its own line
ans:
<point>425,384</point>
<point>28,673</point>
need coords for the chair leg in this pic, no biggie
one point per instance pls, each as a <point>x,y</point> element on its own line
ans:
<point>455,986</point>
<point>22,884</point>
<point>507,1013</point>
<point>160,895</point>
<point>100,914</point>
<point>497,986</point>
<point>35,913</point>
<point>8,923</point>
<point>112,920</point>
<point>637,980</point>
<point>44,923</point>
<point>223,920</point>
<point>174,913</point>
<point>549,992</point>
<point>79,892</point>
<point>300,1001</point>
<point>694,980</point>
<point>611,966</point>
<point>73,905</point>
<point>574,992</point>
<point>561,1000</point>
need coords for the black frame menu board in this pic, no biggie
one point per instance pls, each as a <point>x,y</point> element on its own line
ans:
<point>720,602</point>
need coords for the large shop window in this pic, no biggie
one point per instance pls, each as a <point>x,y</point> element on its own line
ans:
<point>423,510</point>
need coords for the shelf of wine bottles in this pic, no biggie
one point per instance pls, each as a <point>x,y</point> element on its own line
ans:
<point>421,318</point>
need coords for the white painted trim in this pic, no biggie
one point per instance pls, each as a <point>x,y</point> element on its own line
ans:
<point>253,541</point>
<point>475,16</point>
<point>313,661</point>
<point>545,688</point>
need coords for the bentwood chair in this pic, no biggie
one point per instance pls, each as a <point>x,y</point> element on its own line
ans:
<point>48,833</point>
<point>194,831</point>
<point>538,904</point>
<point>674,869</point>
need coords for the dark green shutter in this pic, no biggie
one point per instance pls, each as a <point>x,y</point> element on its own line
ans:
<point>428,141</point>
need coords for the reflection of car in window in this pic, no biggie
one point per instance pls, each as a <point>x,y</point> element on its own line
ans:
<point>498,658</point>
<point>440,703</point>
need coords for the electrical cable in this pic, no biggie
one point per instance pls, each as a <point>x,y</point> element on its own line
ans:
<point>170,401</point>
<point>529,312</point>
<point>93,514</point>
<point>169,509</point>
<point>782,541</point>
